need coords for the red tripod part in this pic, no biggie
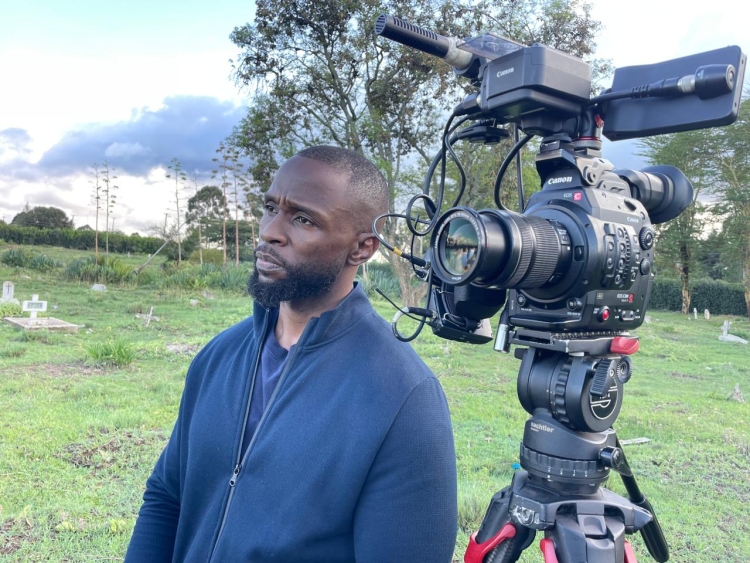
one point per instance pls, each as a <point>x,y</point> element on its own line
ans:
<point>475,552</point>
<point>548,550</point>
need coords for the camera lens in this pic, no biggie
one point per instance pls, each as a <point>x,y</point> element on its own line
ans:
<point>459,247</point>
<point>494,248</point>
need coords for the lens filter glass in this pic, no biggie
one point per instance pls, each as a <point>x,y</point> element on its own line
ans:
<point>459,247</point>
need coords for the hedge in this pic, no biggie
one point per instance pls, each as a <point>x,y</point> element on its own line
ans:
<point>78,240</point>
<point>718,297</point>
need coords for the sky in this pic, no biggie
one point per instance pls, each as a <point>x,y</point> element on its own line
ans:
<point>137,83</point>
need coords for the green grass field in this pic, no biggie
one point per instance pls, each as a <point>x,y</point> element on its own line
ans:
<point>78,437</point>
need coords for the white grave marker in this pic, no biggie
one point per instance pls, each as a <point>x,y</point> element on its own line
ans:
<point>34,306</point>
<point>695,312</point>
<point>706,314</point>
<point>7,291</point>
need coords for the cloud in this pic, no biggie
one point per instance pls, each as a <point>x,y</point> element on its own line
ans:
<point>125,150</point>
<point>188,128</point>
<point>139,149</point>
<point>14,144</point>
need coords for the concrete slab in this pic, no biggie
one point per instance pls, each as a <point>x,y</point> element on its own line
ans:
<point>42,323</point>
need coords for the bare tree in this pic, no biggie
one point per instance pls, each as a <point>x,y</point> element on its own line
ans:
<point>179,183</point>
<point>97,201</point>
<point>223,167</point>
<point>108,178</point>
<point>194,178</point>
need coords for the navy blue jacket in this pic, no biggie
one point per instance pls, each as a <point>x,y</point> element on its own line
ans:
<point>353,459</point>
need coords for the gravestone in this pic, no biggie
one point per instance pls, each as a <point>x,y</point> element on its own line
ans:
<point>33,323</point>
<point>99,287</point>
<point>34,306</point>
<point>148,316</point>
<point>726,337</point>
<point>706,314</point>
<point>8,294</point>
<point>695,313</point>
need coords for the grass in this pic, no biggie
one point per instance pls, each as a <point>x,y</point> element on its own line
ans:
<point>112,351</point>
<point>79,437</point>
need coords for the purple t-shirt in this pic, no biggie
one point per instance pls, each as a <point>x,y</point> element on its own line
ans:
<point>272,359</point>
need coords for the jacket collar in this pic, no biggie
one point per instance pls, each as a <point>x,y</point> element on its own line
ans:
<point>328,326</point>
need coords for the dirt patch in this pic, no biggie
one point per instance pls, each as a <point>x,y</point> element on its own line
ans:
<point>103,455</point>
<point>187,349</point>
<point>678,375</point>
<point>13,534</point>
<point>71,370</point>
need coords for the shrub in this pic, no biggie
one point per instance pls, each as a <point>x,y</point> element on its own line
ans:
<point>210,256</point>
<point>105,270</point>
<point>234,278</point>
<point>719,297</point>
<point>79,240</point>
<point>666,296</point>
<point>113,351</point>
<point>379,275</point>
<point>44,263</point>
<point>15,257</point>
<point>9,309</point>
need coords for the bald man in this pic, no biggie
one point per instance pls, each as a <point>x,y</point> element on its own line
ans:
<point>307,433</point>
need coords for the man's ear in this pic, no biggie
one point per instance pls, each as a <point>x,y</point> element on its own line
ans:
<point>367,245</point>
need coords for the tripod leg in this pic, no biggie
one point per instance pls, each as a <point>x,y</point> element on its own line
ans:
<point>594,538</point>
<point>498,540</point>
<point>548,550</point>
<point>629,553</point>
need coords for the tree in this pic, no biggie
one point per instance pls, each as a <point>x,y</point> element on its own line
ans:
<point>108,192</point>
<point>224,166</point>
<point>180,178</point>
<point>322,76</point>
<point>42,218</point>
<point>734,188</point>
<point>253,209</point>
<point>678,240</point>
<point>96,197</point>
<point>206,211</point>
<point>194,178</point>
<point>238,183</point>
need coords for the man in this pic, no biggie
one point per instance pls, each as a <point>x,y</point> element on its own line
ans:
<point>307,433</point>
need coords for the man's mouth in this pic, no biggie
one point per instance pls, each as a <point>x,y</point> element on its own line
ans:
<point>266,262</point>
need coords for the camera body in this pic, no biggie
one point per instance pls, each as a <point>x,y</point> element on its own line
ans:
<point>585,265</point>
<point>609,277</point>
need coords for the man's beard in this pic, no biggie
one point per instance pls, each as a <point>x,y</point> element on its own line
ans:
<point>302,281</point>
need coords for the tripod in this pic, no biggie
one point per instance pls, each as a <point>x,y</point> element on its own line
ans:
<point>572,387</point>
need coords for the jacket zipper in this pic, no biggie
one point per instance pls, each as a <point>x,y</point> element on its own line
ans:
<point>241,460</point>
<point>236,469</point>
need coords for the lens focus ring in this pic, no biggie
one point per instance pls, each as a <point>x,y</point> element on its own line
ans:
<point>540,252</point>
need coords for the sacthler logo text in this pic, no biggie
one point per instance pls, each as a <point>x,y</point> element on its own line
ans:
<point>542,427</point>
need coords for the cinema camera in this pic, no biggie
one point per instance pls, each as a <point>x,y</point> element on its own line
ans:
<point>572,271</point>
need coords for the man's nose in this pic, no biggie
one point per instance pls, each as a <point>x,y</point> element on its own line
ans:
<point>272,229</point>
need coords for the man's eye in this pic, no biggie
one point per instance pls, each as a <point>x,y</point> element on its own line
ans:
<point>303,220</point>
<point>270,208</point>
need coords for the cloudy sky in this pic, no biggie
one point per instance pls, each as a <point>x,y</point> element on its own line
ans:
<point>137,83</point>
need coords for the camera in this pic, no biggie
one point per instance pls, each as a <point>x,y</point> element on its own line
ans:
<point>579,258</point>
<point>571,270</point>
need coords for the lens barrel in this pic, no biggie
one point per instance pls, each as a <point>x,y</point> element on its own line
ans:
<point>497,248</point>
